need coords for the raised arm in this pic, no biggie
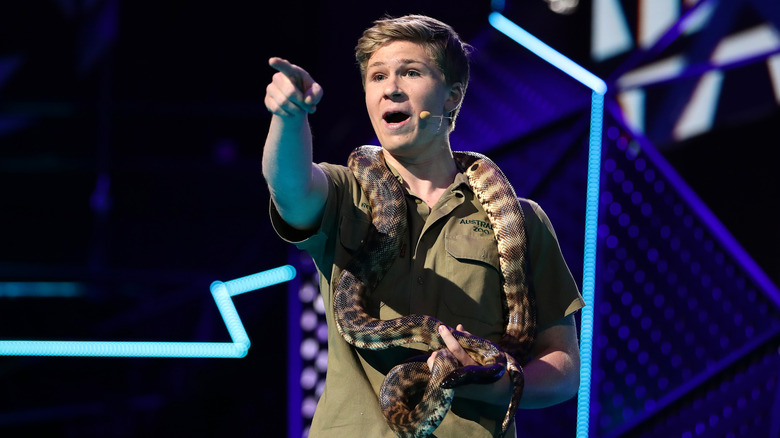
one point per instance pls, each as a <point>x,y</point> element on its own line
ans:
<point>298,187</point>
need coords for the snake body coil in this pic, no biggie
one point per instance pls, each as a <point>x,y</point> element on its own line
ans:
<point>413,399</point>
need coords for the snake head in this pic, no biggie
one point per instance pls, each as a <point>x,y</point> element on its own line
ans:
<point>473,374</point>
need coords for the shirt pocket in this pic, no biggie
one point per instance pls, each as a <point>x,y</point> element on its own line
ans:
<point>477,300</point>
<point>352,232</point>
<point>471,249</point>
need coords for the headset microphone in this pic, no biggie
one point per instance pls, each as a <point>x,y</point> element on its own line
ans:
<point>426,115</point>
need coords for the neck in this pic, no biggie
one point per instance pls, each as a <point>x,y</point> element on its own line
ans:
<point>426,177</point>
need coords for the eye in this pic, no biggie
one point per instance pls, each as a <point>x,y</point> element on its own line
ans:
<point>413,73</point>
<point>376,77</point>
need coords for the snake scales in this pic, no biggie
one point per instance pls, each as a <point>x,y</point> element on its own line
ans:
<point>408,413</point>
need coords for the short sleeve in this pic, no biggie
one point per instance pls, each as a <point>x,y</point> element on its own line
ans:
<point>555,290</point>
<point>343,195</point>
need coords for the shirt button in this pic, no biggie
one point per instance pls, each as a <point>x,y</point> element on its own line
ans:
<point>419,280</point>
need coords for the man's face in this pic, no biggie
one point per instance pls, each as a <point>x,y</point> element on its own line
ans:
<point>401,81</point>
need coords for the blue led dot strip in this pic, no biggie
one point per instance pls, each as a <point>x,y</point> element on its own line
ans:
<point>589,262</point>
<point>221,291</point>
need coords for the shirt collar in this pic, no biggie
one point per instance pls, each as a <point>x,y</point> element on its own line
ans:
<point>461,180</point>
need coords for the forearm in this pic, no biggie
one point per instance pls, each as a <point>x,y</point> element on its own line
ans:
<point>550,379</point>
<point>298,187</point>
<point>287,155</point>
<point>293,181</point>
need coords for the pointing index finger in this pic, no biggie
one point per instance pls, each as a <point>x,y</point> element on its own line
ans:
<point>281,64</point>
<point>286,68</point>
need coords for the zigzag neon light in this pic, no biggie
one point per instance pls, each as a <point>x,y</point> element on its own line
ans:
<point>599,87</point>
<point>222,293</point>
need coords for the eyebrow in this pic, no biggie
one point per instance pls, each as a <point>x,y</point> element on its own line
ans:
<point>403,62</point>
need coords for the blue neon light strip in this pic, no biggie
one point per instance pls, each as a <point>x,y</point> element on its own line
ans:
<point>294,359</point>
<point>599,87</point>
<point>39,289</point>
<point>221,293</point>
<point>542,50</point>
<point>589,262</point>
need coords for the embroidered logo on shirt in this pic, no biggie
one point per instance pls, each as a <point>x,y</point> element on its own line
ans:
<point>478,226</point>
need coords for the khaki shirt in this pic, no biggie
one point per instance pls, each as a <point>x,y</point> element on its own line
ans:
<point>448,269</point>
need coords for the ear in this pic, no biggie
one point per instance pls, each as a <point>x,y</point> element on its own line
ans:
<point>455,97</point>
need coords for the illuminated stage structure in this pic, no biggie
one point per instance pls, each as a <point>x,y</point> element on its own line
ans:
<point>673,338</point>
<point>688,324</point>
<point>222,293</point>
<point>685,308</point>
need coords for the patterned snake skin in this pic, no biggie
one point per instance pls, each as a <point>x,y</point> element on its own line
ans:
<point>413,399</point>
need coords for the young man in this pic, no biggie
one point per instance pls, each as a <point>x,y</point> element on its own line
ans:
<point>415,74</point>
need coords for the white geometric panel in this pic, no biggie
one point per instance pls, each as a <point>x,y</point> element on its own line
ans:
<point>610,34</point>
<point>699,113</point>
<point>753,42</point>
<point>773,64</point>
<point>655,17</point>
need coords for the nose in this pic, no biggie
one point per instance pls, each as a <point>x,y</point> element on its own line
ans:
<point>392,90</point>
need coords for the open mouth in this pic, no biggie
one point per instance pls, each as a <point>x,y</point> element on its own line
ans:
<point>395,117</point>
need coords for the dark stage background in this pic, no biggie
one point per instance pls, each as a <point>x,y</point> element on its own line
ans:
<point>131,136</point>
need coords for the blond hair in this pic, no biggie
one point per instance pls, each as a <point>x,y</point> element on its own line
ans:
<point>439,40</point>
